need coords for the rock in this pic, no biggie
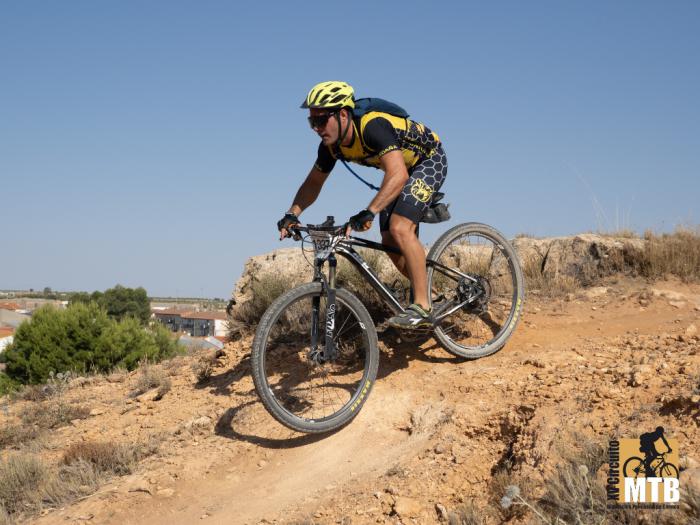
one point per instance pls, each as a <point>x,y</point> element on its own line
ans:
<point>677,304</point>
<point>138,484</point>
<point>407,507</point>
<point>688,462</point>
<point>596,291</point>
<point>439,448</point>
<point>166,493</point>
<point>668,294</point>
<point>691,330</point>
<point>690,478</point>
<point>97,411</point>
<point>150,395</point>
<point>198,423</point>
<point>441,511</point>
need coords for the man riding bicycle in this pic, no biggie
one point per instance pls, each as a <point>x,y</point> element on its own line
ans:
<point>414,165</point>
<point>647,446</point>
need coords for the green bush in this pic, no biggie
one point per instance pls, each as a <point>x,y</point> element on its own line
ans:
<point>81,338</point>
<point>119,302</point>
<point>7,385</point>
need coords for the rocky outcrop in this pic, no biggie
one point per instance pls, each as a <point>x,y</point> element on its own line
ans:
<point>583,257</point>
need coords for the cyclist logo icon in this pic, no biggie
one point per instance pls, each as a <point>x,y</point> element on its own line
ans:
<point>654,464</point>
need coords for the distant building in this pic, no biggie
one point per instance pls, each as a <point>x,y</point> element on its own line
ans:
<point>196,324</point>
<point>12,318</point>
<point>6,338</point>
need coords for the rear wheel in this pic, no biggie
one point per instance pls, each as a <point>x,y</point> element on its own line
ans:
<point>475,279</point>
<point>297,384</point>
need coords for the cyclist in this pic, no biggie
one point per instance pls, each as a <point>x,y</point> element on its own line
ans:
<point>414,165</point>
<point>646,442</point>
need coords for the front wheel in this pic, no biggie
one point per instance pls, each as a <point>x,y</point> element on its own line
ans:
<point>299,387</point>
<point>634,468</point>
<point>477,289</point>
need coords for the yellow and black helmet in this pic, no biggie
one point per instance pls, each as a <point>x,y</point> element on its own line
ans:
<point>330,95</point>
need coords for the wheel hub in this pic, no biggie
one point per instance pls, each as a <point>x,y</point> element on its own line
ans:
<point>475,292</point>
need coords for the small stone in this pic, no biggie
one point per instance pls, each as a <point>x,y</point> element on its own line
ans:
<point>407,507</point>
<point>439,448</point>
<point>97,411</point>
<point>668,294</point>
<point>166,493</point>
<point>677,304</point>
<point>441,511</point>
<point>691,330</point>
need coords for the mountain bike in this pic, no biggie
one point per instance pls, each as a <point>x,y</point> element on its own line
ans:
<point>635,467</point>
<point>315,353</point>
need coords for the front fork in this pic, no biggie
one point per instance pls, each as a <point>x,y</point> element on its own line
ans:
<point>330,351</point>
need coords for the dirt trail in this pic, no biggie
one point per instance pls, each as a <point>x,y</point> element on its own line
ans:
<point>432,435</point>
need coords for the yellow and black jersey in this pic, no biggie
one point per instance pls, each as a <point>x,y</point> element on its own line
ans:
<point>377,133</point>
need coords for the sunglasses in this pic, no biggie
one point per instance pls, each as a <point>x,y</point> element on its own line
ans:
<point>320,121</point>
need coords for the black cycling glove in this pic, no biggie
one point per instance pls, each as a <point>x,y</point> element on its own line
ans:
<point>361,222</point>
<point>288,220</point>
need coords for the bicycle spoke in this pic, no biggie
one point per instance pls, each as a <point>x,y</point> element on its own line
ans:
<point>315,389</point>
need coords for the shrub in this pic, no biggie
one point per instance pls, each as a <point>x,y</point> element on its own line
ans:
<point>119,302</point>
<point>264,290</point>
<point>7,384</point>
<point>152,377</point>
<point>21,477</point>
<point>675,253</point>
<point>126,343</point>
<point>55,340</point>
<point>106,458</point>
<point>82,339</point>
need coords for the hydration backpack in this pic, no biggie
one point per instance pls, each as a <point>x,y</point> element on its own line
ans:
<point>365,105</point>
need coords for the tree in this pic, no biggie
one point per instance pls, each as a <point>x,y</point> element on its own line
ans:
<point>81,338</point>
<point>121,302</point>
<point>55,340</point>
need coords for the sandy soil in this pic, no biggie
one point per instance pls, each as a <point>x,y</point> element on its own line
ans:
<point>610,361</point>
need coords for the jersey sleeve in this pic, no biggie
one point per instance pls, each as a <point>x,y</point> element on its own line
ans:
<point>324,161</point>
<point>380,136</point>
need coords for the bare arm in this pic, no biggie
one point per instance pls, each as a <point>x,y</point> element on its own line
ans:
<point>395,177</point>
<point>308,191</point>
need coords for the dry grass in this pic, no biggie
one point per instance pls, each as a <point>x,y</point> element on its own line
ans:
<point>150,377</point>
<point>106,458</point>
<point>264,290</point>
<point>21,478</point>
<point>38,419</point>
<point>548,285</point>
<point>675,253</point>
<point>27,484</point>
<point>466,514</point>
<point>204,366</point>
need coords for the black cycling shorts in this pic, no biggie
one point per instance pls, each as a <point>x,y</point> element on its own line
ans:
<point>424,179</point>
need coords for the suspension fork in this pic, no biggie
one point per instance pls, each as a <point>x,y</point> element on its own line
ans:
<point>328,285</point>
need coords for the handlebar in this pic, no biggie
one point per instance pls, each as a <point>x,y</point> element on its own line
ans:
<point>298,229</point>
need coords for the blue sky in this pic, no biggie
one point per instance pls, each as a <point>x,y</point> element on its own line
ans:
<point>156,144</point>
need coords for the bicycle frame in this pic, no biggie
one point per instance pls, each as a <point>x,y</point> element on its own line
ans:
<point>346,250</point>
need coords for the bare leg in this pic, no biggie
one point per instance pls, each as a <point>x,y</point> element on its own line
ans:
<point>403,233</point>
<point>398,260</point>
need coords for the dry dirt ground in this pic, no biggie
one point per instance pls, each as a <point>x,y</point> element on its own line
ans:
<point>616,360</point>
